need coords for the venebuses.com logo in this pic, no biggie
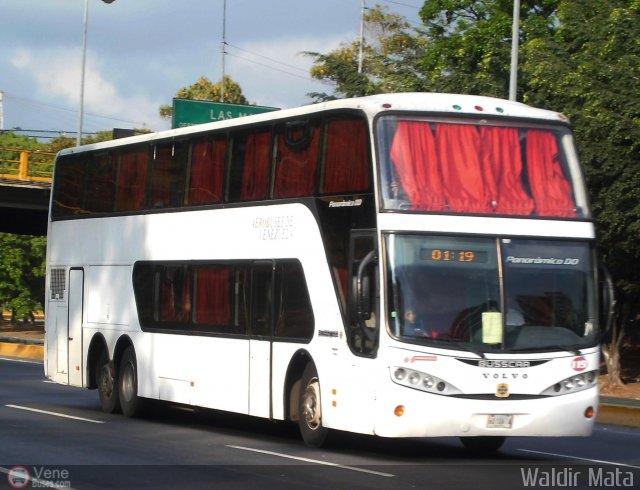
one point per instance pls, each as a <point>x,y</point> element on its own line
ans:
<point>38,477</point>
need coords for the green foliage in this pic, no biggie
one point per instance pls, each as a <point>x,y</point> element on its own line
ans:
<point>470,42</point>
<point>22,272</point>
<point>391,56</point>
<point>204,89</point>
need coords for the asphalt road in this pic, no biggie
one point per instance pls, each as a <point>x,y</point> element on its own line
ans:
<point>58,435</point>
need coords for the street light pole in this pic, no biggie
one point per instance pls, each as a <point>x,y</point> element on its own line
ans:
<point>223,45</point>
<point>515,37</point>
<point>82,70</point>
<point>84,62</point>
<point>361,47</point>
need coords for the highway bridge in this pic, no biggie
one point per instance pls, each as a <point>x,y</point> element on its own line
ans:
<point>25,189</point>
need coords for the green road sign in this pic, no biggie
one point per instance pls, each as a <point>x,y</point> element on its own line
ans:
<point>188,112</point>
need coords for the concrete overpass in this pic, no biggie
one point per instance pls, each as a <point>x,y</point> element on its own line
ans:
<point>25,188</point>
<point>24,207</point>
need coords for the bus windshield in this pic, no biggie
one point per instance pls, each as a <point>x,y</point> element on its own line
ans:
<point>492,294</point>
<point>479,167</point>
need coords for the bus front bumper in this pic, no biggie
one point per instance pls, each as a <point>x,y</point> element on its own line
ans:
<point>404,412</point>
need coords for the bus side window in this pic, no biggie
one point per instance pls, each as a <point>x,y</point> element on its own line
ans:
<point>298,149</point>
<point>132,179</point>
<point>168,175</point>
<point>293,312</point>
<point>346,157</point>
<point>69,185</point>
<point>261,298</point>
<point>250,166</point>
<point>100,187</point>
<point>206,181</point>
<point>217,302</point>
<point>174,298</point>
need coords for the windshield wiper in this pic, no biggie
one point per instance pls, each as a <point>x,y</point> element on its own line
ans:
<point>573,349</point>
<point>460,345</point>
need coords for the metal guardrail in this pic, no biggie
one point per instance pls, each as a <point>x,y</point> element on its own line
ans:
<point>26,165</point>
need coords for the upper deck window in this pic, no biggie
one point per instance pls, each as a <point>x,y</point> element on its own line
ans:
<point>346,157</point>
<point>298,149</point>
<point>132,178</point>
<point>478,168</point>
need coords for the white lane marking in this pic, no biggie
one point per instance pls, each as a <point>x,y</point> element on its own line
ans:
<point>37,481</point>
<point>55,414</point>
<point>630,431</point>
<point>314,461</point>
<point>20,360</point>
<point>600,461</point>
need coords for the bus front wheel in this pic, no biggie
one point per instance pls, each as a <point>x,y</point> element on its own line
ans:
<point>130,402</point>
<point>314,434</point>
<point>107,385</point>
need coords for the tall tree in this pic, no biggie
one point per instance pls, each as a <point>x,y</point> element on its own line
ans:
<point>22,272</point>
<point>391,50</point>
<point>204,89</point>
<point>470,42</point>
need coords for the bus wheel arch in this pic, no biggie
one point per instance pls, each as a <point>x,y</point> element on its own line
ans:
<point>105,376</point>
<point>313,432</point>
<point>97,348</point>
<point>293,381</point>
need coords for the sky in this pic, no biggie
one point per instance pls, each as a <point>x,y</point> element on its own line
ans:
<point>141,52</point>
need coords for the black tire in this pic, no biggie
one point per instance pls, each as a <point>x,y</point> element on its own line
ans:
<point>483,445</point>
<point>107,384</point>
<point>132,405</point>
<point>313,433</point>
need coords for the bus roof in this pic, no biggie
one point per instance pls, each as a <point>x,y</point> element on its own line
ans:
<point>373,104</point>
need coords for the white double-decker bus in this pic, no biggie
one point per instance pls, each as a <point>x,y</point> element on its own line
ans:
<point>404,265</point>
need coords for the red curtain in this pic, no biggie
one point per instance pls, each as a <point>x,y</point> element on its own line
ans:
<point>207,171</point>
<point>414,154</point>
<point>346,166</point>
<point>255,174</point>
<point>213,296</point>
<point>502,164</point>
<point>175,295</point>
<point>296,170</point>
<point>480,170</point>
<point>458,149</point>
<point>162,176</point>
<point>549,186</point>
<point>132,181</point>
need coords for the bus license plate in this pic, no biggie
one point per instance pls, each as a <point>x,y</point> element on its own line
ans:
<point>500,421</point>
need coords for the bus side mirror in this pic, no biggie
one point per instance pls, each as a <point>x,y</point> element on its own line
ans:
<point>607,299</point>
<point>362,290</point>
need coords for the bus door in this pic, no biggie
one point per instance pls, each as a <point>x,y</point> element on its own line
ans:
<point>261,328</point>
<point>74,327</point>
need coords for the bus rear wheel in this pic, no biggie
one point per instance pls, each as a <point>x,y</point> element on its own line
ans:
<point>107,384</point>
<point>314,434</point>
<point>483,445</point>
<point>130,402</point>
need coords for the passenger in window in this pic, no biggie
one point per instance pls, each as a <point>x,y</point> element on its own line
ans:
<point>413,326</point>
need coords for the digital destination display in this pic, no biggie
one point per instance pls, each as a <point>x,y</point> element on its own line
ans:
<point>454,255</point>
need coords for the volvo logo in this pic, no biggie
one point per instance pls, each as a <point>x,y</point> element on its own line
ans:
<point>502,390</point>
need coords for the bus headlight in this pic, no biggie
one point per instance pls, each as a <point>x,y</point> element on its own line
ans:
<point>422,381</point>
<point>573,384</point>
